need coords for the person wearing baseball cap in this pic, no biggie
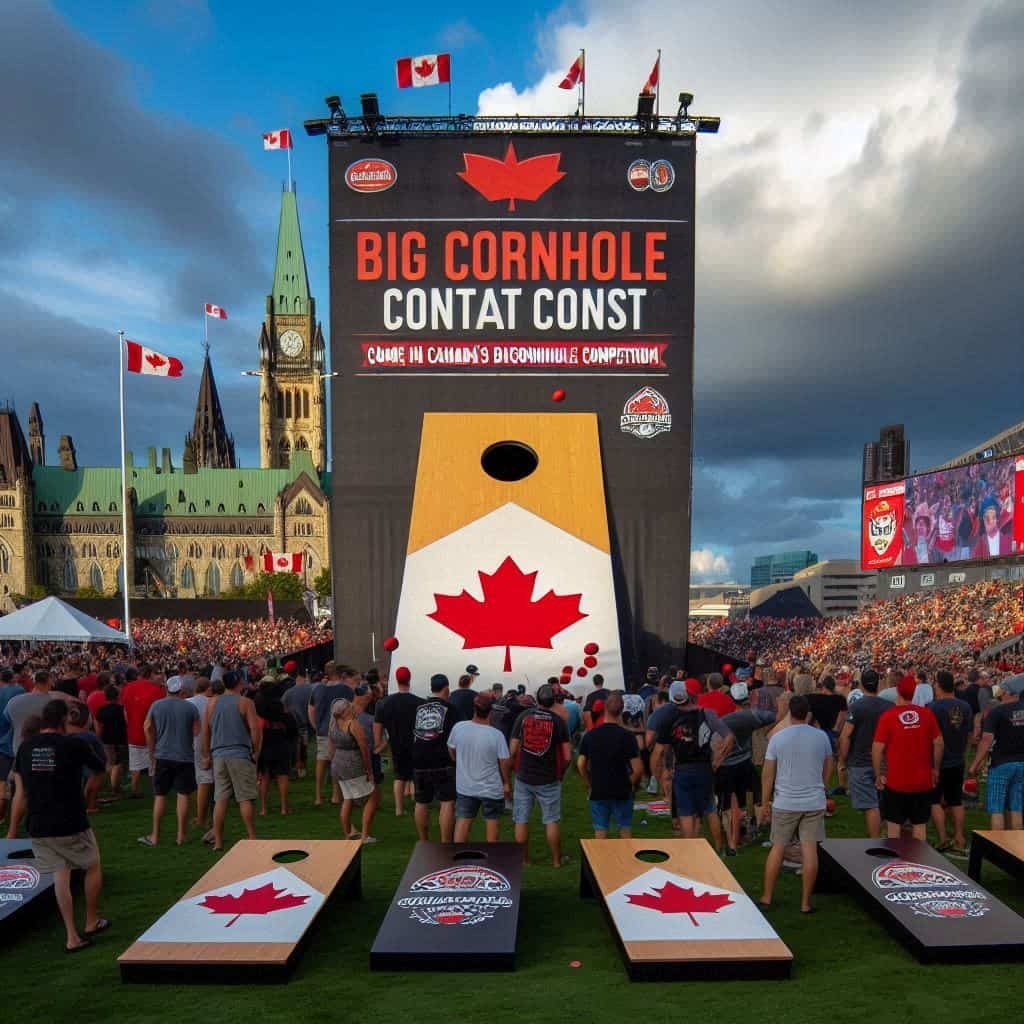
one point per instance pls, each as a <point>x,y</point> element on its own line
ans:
<point>393,724</point>
<point>433,771</point>
<point>1003,734</point>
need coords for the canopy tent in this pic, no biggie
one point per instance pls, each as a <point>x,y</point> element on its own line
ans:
<point>53,620</point>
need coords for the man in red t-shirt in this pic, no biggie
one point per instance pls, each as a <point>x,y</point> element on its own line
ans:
<point>138,696</point>
<point>909,738</point>
<point>716,699</point>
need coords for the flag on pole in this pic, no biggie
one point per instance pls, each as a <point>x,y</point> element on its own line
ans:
<point>155,364</point>
<point>270,606</point>
<point>279,561</point>
<point>281,139</point>
<point>652,79</point>
<point>428,69</point>
<point>219,312</point>
<point>574,75</point>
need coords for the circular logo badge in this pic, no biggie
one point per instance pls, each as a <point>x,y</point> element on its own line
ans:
<point>370,175</point>
<point>638,174</point>
<point>663,176</point>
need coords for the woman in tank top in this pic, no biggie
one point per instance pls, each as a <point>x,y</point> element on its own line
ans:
<point>349,753</point>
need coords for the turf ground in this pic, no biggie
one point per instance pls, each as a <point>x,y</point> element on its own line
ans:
<point>846,967</point>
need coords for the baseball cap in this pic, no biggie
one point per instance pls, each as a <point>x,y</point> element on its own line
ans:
<point>472,670</point>
<point>438,682</point>
<point>174,685</point>
<point>1014,685</point>
<point>693,687</point>
<point>402,675</point>
<point>290,666</point>
<point>679,692</point>
<point>906,687</point>
<point>739,692</point>
<point>744,673</point>
<point>546,696</point>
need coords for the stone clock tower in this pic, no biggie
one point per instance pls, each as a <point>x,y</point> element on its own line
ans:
<point>293,409</point>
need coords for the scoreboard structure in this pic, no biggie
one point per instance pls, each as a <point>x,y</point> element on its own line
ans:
<point>512,328</point>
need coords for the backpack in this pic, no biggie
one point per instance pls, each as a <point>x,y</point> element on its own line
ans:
<point>691,737</point>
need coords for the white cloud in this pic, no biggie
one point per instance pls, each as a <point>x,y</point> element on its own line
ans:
<point>706,564</point>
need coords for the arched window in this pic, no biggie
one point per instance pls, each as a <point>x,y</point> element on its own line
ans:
<point>70,576</point>
<point>79,507</point>
<point>261,509</point>
<point>117,550</point>
<point>237,577</point>
<point>241,509</point>
<point>302,445</point>
<point>191,506</point>
<point>188,577</point>
<point>181,497</point>
<point>213,579</point>
<point>5,561</point>
<point>112,507</point>
<point>280,405</point>
<point>95,506</point>
<point>305,404</point>
<point>282,304</point>
<point>288,405</point>
<point>220,507</point>
<point>298,303</point>
<point>96,577</point>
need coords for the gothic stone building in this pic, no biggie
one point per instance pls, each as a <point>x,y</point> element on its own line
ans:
<point>199,529</point>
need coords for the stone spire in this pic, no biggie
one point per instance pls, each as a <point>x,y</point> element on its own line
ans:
<point>36,435</point>
<point>210,444</point>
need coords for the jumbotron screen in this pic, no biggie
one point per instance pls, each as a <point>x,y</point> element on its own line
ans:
<point>953,515</point>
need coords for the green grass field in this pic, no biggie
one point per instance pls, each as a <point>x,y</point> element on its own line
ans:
<point>846,967</point>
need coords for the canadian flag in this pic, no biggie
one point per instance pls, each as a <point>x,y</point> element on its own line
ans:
<point>216,311</point>
<point>279,561</point>
<point>277,140</point>
<point>146,360</point>
<point>651,85</point>
<point>574,75</point>
<point>429,69</point>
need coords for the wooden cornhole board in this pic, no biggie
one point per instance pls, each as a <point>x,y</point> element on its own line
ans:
<point>1004,849</point>
<point>455,909</point>
<point>24,889</point>
<point>684,917</point>
<point>247,911</point>
<point>932,907</point>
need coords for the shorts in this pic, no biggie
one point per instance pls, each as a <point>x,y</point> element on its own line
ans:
<point>117,755</point>
<point>913,807</point>
<point>58,853</point>
<point>7,766</point>
<point>862,789</point>
<point>468,806</point>
<point>358,788</point>
<point>734,780</point>
<point>321,748</point>
<point>274,765</point>
<point>177,775</point>
<point>434,784</point>
<point>402,761</point>
<point>138,758</point>
<point>204,776</point>
<point>1005,790</point>
<point>805,826</point>
<point>693,789</point>
<point>234,777</point>
<point>602,812</point>
<point>950,790</point>
<point>549,796</point>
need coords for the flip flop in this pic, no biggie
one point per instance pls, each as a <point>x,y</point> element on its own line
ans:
<point>146,841</point>
<point>943,847</point>
<point>85,944</point>
<point>101,926</point>
<point>809,910</point>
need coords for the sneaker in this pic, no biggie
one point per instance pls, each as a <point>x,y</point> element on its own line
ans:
<point>730,851</point>
<point>369,840</point>
<point>792,864</point>
<point>767,844</point>
<point>652,785</point>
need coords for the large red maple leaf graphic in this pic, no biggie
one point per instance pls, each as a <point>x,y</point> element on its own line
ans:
<point>507,617</point>
<point>154,360</point>
<point>674,899</point>
<point>425,68</point>
<point>511,178</point>
<point>264,900</point>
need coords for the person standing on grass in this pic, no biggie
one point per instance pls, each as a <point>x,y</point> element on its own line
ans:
<point>482,780</point>
<point>1004,727</point>
<point>592,717</point>
<point>296,703</point>
<point>908,738</point>
<point>9,689</point>
<point>231,745</point>
<point>79,724</point>
<point>393,727</point>
<point>322,697</point>
<point>171,728</point>
<point>204,776</point>
<point>609,763</point>
<point>138,696</point>
<point>797,767</point>
<point>48,780</point>
<point>462,697</point>
<point>350,765</point>
<point>955,723</point>
<point>540,752</point>
<point>855,741</point>
<point>277,750</point>
<point>113,731</point>
<point>433,771</point>
<point>366,695</point>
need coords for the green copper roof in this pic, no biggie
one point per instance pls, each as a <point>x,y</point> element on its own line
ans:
<point>95,490</point>
<point>291,284</point>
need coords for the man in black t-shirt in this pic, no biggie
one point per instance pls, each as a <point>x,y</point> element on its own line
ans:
<point>393,726</point>
<point>432,769</point>
<point>596,694</point>
<point>1003,734</point>
<point>48,776</point>
<point>540,752</point>
<point>855,742</point>
<point>462,698</point>
<point>609,762</point>
<point>955,723</point>
<point>828,709</point>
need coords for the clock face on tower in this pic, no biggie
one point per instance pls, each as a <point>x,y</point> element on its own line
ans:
<point>291,343</point>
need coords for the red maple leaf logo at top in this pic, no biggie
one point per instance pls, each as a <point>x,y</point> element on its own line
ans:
<point>507,616</point>
<point>264,900</point>
<point>674,899</point>
<point>511,178</point>
<point>425,68</point>
<point>154,360</point>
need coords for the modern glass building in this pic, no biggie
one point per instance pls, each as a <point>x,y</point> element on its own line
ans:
<point>781,568</point>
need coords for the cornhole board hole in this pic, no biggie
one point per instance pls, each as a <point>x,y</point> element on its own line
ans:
<point>678,913</point>
<point>1004,849</point>
<point>924,900</point>
<point>508,563</point>
<point>24,889</point>
<point>253,908</point>
<point>455,909</point>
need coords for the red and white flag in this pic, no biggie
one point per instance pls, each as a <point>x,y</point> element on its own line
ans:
<point>146,360</point>
<point>279,561</point>
<point>429,69</point>
<point>216,311</point>
<point>278,140</point>
<point>651,85</point>
<point>574,75</point>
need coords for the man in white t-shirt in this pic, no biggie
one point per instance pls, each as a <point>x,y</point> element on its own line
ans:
<point>482,771</point>
<point>204,776</point>
<point>797,767</point>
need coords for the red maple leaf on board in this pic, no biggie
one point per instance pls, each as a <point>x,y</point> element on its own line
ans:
<point>674,899</point>
<point>155,360</point>
<point>425,68</point>
<point>507,616</point>
<point>264,900</point>
<point>511,178</point>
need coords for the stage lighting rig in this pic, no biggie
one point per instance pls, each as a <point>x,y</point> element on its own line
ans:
<point>645,111</point>
<point>706,125</point>
<point>371,112</point>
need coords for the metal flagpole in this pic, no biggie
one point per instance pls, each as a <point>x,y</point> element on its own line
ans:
<point>583,83</point>
<point>206,331</point>
<point>124,505</point>
<point>657,90</point>
<point>289,150</point>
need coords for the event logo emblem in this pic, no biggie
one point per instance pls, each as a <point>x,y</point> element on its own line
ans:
<point>371,175</point>
<point>511,178</point>
<point>909,717</point>
<point>663,176</point>
<point>900,874</point>
<point>638,174</point>
<point>883,527</point>
<point>18,876</point>
<point>658,176</point>
<point>646,414</point>
<point>950,909</point>
<point>467,894</point>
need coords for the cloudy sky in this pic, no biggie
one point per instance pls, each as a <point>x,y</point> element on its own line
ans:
<point>860,216</point>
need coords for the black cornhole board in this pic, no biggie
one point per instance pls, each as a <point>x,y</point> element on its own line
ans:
<point>455,909</point>
<point>24,890</point>
<point>927,902</point>
<point>1004,849</point>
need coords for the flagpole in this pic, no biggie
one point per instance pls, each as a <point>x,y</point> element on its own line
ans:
<point>583,83</point>
<point>657,92</point>
<point>124,501</point>
<point>289,151</point>
<point>206,331</point>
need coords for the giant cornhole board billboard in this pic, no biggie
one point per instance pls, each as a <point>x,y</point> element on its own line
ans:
<point>512,319</point>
